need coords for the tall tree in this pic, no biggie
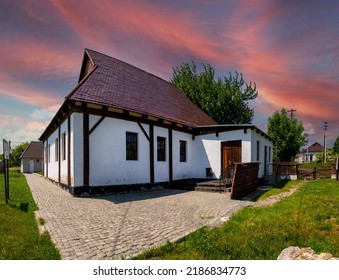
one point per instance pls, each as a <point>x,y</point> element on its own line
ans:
<point>288,135</point>
<point>224,99</point>
<point>336,146</point>
<point>14,159</point>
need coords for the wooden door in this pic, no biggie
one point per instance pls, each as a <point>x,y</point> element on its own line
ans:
<point>230,153</point>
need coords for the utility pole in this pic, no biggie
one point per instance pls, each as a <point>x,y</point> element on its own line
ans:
<point>292,112</point>
<point>325,129</point>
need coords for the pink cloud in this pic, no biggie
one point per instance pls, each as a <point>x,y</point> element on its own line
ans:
<point>107,23</point>
<point>30,57</point>
<point>28,94</point>
<point>36,62</point>
<point>262,39</point>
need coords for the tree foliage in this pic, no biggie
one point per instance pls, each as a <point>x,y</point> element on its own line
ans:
<point>331,156</point>
<point>288,135</point>
<point>336,146</point>
<point>224,99</point>
<point>14,159</point>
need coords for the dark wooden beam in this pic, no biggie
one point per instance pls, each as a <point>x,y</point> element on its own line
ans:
<point>126,116</point>
<point>151,153</point>
<point>96,125</point>
<point>47,157</point>
<point>86,149</point>
<point>59,156</point>
<point>144,131</point>
<point>170,158</point>
<point>69,151</point>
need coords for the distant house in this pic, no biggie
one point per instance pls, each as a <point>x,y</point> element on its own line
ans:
<point>310,154</point>
<point>32,158</point>
<point>123,126</point>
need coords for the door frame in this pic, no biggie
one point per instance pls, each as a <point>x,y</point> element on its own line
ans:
<point>222,168</point>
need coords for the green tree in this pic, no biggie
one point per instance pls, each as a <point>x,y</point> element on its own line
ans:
<point>224,99</point>
<point>288,135</point>
<point>14,159</point>
<point>331,156</point>
<point>336,146</point>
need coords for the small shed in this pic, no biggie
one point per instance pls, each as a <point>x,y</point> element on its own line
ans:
<point>32,158</point>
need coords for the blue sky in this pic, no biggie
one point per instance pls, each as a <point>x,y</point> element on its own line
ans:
<point>290,49</point>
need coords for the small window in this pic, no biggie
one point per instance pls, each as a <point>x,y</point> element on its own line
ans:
<point>182,151</point>
<point>63,146</point>
<point>161,148</point>
<point>258,150</point>
<point>56,149</point>
<point>131,146</point>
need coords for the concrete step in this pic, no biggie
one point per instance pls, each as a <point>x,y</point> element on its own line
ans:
<point>199,185</point>
<point>203,188</point>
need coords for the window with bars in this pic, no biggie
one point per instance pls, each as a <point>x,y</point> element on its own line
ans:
<point>182,151</point>
<point>131,146</point>
<point>161,148</point>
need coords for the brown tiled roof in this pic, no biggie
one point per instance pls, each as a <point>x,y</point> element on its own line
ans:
<point>315,148</point>
<point>117,84</point>
<point>34,150</point>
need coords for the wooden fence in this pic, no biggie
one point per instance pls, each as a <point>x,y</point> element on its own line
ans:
<point>292,168</point>
<point>245,179</point>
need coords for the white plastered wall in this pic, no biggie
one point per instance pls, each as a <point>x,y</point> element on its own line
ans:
<point>107,157</point>
<point>51,162</point>
<point>263,142</point>
<point>183,170</point>
<point>208,150</point>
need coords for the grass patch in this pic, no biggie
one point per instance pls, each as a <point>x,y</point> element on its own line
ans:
<point>312,165</point>
<point>19,235</point>
<point>308,218</point>
<point>280,187</point>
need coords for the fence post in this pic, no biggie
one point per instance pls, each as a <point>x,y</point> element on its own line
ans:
<point>315,173</point>
<point>337,168</point>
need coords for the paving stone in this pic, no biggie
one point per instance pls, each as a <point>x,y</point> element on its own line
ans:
<point>112,226</point>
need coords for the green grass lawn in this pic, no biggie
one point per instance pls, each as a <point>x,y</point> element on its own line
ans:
<point>280,187</point>
<point>308,218</point>
<point>19,235</point>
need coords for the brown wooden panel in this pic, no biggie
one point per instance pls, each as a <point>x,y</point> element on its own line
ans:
<point>245,179</point>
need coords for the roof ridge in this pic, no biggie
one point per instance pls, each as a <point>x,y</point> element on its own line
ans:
<point>69,95</point>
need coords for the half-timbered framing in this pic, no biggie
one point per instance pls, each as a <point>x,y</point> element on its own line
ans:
<point>174,138</point>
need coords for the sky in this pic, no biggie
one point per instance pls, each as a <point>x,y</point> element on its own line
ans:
<point>289,49</point>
